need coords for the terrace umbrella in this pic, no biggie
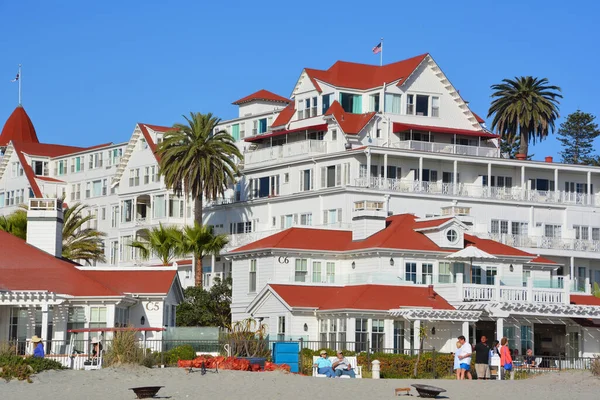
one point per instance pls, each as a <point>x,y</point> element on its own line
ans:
<point>470,253</point>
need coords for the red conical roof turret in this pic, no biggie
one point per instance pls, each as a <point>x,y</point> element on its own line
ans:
<point>18,128</point>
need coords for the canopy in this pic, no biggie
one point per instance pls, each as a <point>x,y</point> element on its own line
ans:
<point>402,127</point>
<point>470,253</point>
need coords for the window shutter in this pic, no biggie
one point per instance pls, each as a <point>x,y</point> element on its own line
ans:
<point>282,221</point>
<point>338,175</point>
<point>295,219</point>
<point>323,177</point>
<point>301,181</point>
<point>324,216</point>
<point>312,179</point>
<point>339,215</point>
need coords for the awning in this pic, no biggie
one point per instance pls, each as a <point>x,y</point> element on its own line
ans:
<point>412,314</point>
<point>311,128</point>
<point>402,127</point>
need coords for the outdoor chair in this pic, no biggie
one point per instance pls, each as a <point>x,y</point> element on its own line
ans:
<point>351,360</point>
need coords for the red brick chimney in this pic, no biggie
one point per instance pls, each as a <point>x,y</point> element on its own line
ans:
<point>431,292</point>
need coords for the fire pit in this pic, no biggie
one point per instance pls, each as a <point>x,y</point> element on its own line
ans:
<point>146,392</point>
<point>427,391</point>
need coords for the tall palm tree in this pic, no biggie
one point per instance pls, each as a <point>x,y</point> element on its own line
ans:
<point>161,241</point>
<point>200,241</point>
<point>79,243</point>
<point>195,158</point>
<point>524,107</point>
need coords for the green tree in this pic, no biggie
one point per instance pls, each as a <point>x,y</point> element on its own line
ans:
<point>202,307</point>
<point>79,243</point>
<point>199,161</point>
<point>199,241</point>
<point>524,107</point>
<point>161,241</point>
<point>512,148</point>
<point>577,135</point>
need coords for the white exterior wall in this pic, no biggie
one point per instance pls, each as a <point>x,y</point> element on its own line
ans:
<point>591,342</point>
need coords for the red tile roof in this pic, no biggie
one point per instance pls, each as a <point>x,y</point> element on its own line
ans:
<point>432,223</point>
<point>48,179</point>
<point>359,297</point>
<point>18,127</point>
<point>285,115</point>
<point>25,267</point>
<point>478,118</point>
<point>311,128</point>
<point>402,127</point>
<point>140,282</point>
<point>349,75</point>
<point>542,260</point>
<point>54,150</point>
<point>264,95</point>
<point>495,248</point>
<point>585,300</point>
<point>27,169</point>
<point>148,137</point>
<point>350,123</point>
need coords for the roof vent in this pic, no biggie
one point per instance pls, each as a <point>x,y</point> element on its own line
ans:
<point>45,224</point>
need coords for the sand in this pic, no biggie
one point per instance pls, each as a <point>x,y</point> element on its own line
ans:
<point>113,384</point>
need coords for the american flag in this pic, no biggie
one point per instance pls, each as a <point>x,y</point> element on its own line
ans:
<point>16,78</point>
<point>377,49</point>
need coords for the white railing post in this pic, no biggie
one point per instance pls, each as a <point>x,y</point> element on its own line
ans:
<point>588,286</point>
<point>459,286</point>
<point>530,289</point>
<point>567,289</point>
<point>497,294</point>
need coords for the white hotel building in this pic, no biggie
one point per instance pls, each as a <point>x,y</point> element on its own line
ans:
<point>399,137</point>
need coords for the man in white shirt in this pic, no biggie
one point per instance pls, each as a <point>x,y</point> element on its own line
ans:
<point>465,357</point>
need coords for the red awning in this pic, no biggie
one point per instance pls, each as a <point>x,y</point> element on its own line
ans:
<point>124,329</point>
<point>402,127</point>
<point>311,128</point>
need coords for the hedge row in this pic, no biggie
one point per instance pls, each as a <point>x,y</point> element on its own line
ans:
<point>13,366</point>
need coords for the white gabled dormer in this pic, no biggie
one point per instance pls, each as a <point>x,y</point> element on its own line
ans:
<point>446,232</point>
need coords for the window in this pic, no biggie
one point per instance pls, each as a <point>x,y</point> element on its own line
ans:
<point>351,103</point>
<point>342,333</point>
<point>127,211</point>
<point>314,107</point>
<point>422,105</point>
<point>541,184</point>
<point>264,187</point>
<point>301,270</point>
<point>114,216</point>
<point>411,272</point>
<point>374,102</point>
<point>96,188</point>
<point>435,106</point>
<point>476,274</point>
<point>427,273</point>
<point>235,132</point>
<point>306,219</point>
<point>281,328</point>
<point>595,231</point>
<point>452,236</point>
<point>582,232</point>
<point>327,99</point>
<point>490,273</point>
<point>121,317</point>
<point>332,216</point>
<point>333,333</point>
<point>41,167</point>
<point>398,337</point>
<point>553,231</point>
<point>286,177</point>
<point>444,275</point>
<point>377,335</point>
<point>526,339</point>
<point>499,226</point>
<point>392,103</point>
<point>262,125</point>
<point>361,332</point>
<point>330,272</point>
<point>307,108</point>
<point>520,228</point>
<point>306,182</point>
<point>76,320</point>
<point>114,252</point>
<point>323,324</point>
<point>252,277</point>
<point>410,104</point>
<point>240,227</point>
<point>316,272</point>
<point>146,175</point>
<point>334,135</point>
<point>97,317</point>
<point>134,177</point>
<point>300,109</point>
<point>331,176</point>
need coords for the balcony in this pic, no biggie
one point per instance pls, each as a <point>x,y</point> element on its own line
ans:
<point>448,148</point>
<point>472,190</point>
<point>287,151</point>
<point>544,242</point>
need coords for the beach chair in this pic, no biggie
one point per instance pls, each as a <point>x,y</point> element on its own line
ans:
<point>351,359</point>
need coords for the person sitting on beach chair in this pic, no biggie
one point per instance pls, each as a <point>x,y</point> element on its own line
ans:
<point>324,365</point>
<point>342,366</point>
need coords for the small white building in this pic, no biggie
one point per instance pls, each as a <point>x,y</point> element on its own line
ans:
<point>386,277</point>
<point>45,295</point>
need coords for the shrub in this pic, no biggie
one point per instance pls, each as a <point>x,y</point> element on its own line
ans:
<point>151,359</point>
<point>124,349</point>
<point>13,366</point>
<point>595,366</point>
<point>184,352</point>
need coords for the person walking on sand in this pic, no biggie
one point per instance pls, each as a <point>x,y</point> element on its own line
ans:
<point>324,365</point>
<point>465,357</point>
<point>457,360</point>
<point>38,351</point>
<point>506,361</point>
<point>482,359</point>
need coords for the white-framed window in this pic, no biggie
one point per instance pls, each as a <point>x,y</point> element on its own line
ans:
<point>331,176</point>
<point>281,328</point>
<point>334,135</point>
<point>332,216</point>
<point>582,232</point>
<point>427,273</point>
<point>553,231</point>
<point>361,334</point>
<point>306,180</point>
<point>301,109</point>
<point>452,236</point>
<point>410,274</point>
<point>435,106</point>
<point>134,177</point>
<point>286,177</point>
<point>146,175</point>
<point>252,277</point>
<point>377,335</point>
<point>374,102</point>
<point>301,270</point>
<point>444,274</point>
<point>410,104</point>
<point>316,272</point>
<point>330,272</point>
<point>306,219</point>
<point>392,103</point>
<point>97,317</point>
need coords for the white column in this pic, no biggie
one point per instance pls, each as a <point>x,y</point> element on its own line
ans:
<point>417,333</point>
<point>134,211</point>
<point>489,174</point>
<point>465,331</point>
<point>459,286</point>
<point>45,324</point>
<point>530,289</point>
<point>589,187</point>
<point>385,175</point>
<point>455,177</point>
<point>572,268</point>
<point>556,191</point>
<point>499,328</point>
<point>523,183</point>
<point>368,168</point>
<point>421,172</point>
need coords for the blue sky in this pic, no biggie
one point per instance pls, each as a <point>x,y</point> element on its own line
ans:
<point>91,70</point>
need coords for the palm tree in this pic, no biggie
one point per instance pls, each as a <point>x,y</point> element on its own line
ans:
<point>524,107</point>
<point>195,158</point>
<point>161,241</point>
<point>15,224</point>
<point>79,243</point>
<point>200,241</point>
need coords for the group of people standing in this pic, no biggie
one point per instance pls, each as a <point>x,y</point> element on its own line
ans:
<point>484,353</point>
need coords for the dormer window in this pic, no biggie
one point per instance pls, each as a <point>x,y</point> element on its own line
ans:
<point>452,236</point>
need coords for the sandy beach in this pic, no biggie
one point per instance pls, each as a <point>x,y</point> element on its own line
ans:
<point>113,384</point>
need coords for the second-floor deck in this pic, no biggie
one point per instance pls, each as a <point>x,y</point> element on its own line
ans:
<point>286,151</point>
<point>448,148</point>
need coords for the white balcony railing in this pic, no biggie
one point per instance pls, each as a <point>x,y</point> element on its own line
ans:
<point>301,148</point>
<point>449,148</point>
<point>544,242</point>
<point>472,190</point>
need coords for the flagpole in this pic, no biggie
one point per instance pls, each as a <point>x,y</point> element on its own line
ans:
<point>381,54</point>
<point>20,79</point>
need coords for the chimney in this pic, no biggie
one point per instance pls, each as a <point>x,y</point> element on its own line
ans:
<point>45,224</point>
<point>430,291</point>
<point>368,218</point>
<point>549,159</point>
